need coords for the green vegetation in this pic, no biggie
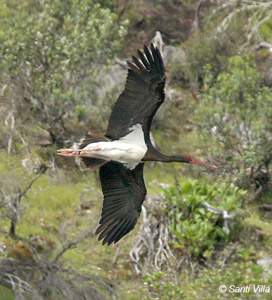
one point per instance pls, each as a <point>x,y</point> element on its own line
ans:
<point>196,228</point>
<point>200,228</point>
<point>48,55</point>
<point>161,287</point>
<point>236,108</point>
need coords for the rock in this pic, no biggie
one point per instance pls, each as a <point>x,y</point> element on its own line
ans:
<point>45,142</point>
<point>85,205</point>
<point>266,264</point>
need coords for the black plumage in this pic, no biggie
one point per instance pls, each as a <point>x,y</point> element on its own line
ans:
<point>122,179</point>
<point>124,192</point>
<point>143,94</point>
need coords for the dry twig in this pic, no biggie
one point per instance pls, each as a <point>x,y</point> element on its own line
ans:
<point>152,246</point>
<point>72,244</point>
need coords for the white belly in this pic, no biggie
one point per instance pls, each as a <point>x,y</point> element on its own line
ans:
<point>129,150</point>
<point>128,154</point>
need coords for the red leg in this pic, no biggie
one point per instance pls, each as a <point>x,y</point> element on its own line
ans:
<point>72,152</point>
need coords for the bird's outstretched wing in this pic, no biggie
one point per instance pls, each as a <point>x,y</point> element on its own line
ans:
<point>143,94</point>
<point>124,192</point>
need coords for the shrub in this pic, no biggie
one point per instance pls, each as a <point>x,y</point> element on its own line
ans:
<point>160,287</point>
<point>48,54</point>
<point>239,274</point>
<point>236,110</point>
<point>196,228</point>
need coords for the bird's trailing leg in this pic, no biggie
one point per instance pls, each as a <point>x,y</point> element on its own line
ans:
<point>77,152</point>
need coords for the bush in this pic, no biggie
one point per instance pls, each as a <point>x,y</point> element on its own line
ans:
<point>48,54</point>
<point>196,229</point>
<point>238,274</point>
<point>160,287</point>
<point>236,110</point>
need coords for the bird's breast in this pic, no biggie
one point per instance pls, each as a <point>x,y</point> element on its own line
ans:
<point>128,154</point>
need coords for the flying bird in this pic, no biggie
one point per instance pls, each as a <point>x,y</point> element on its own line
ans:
<point>122,152</point>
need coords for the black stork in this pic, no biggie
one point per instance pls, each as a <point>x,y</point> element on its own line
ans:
<point>122,152</point>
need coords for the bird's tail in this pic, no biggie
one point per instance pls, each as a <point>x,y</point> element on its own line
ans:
<point>89,138</point>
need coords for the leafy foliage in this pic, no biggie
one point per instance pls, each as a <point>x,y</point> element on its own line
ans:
<point>53,55</point>
<point>194,227</point>
<point>240,274</point>
<point>48,51</point>
<point>160,287</point>
<point>236,109</point>
<point>203,50</point>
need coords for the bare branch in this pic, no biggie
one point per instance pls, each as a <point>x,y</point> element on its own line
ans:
<point>114,261</point>
<point>10,123</point>
<point>151,249</point>
<point>227,257</point>
<point>22,288</point>
<point>72,244</point>
<point>260,13</point>
<point>265,206</point>
<point>42,171</point>
<point>14,203</point>
<point>264,45</point>
<point>224,213</point>
<point>197,23</point>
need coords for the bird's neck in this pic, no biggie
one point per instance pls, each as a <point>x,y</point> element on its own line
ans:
<point>155,155</point>
<point>183,158</point>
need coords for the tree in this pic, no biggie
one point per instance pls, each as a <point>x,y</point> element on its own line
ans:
<point>48,55</point>
<point>255,16</point>
<point>236,110</point>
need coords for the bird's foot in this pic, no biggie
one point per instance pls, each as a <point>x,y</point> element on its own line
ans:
<point>69,152</point>
<point>76,152</point>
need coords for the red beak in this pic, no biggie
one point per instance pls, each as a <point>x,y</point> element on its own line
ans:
<point>198,162</point>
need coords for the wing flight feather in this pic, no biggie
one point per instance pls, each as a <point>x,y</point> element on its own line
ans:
<point>124,192</point>
<point>142,96</point>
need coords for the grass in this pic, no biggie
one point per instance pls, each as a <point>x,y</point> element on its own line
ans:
<point>254,219</point>
<point>6,294</point>
<point>206,284</point>
<point>52,210</point>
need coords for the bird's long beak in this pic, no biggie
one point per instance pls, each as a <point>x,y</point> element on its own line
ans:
<point>202,163</point>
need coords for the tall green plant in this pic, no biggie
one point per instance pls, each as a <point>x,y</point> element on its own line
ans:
<point>235,117</point>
